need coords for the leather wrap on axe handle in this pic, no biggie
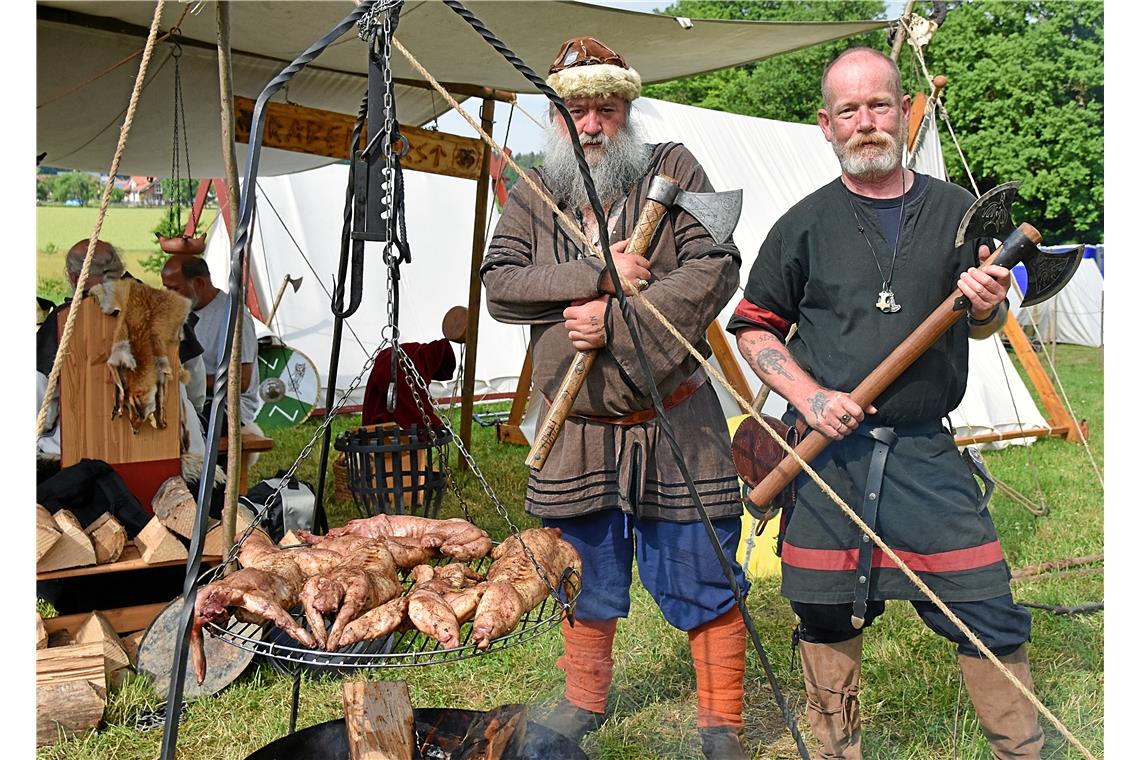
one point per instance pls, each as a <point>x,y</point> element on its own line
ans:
<point>563,400</point>
<point>916,344</point>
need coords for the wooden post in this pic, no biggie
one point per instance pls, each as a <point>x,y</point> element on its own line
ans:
<point>1057,415</point>
<point>900,35</point>
<point>478,241</point>
<point>508,432</point>
<point>729,367</point>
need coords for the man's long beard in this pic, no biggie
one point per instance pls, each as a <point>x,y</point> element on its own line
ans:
<point>622,162</point>
<point>872,163</point>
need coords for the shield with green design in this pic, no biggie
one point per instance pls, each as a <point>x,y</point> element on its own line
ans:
<point>288,386</point>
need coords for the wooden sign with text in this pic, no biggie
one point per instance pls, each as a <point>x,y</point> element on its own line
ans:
<point>327,133</point>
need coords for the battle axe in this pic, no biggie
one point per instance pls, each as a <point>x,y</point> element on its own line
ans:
<point>988,217</point>
<point>718,213</point>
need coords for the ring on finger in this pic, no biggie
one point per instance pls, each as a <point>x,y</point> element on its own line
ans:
<point>845,418</point>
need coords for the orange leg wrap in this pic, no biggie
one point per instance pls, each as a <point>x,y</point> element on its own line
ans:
<point>588,662</point>
<point>718,658</point>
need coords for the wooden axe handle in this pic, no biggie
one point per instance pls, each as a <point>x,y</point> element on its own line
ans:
<point>560,405</point>
<point>914,346</point>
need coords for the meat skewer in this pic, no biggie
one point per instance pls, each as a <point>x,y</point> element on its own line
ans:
<point>514,587</point>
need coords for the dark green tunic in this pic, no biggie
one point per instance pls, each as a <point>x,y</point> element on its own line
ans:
<point>816,270</point>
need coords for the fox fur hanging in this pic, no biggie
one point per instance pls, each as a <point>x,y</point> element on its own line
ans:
<point>148,326</point>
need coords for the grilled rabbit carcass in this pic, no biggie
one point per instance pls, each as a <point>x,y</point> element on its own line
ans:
<point>430,602</point>
<point>514,586</point>
<point>454,537</point>
<point>364,580</point>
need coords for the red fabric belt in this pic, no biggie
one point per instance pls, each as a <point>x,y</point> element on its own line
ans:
<point>846,559</point>
<point>682,392</point>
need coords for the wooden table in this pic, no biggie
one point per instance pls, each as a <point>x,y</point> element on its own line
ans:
<point>251,443</point>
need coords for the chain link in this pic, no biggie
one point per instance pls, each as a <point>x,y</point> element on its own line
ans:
<point>411,373</point>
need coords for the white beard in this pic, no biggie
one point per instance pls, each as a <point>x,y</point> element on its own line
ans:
<point>622,161</point>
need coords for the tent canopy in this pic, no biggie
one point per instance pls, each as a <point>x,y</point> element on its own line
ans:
<point>80,104</point>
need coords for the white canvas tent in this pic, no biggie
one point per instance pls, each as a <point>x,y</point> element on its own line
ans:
<point>1075,315</point>
<point>775,163</point>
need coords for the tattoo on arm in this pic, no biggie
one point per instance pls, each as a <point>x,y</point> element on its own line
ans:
<point>771,362</point>
<point>816,403</point>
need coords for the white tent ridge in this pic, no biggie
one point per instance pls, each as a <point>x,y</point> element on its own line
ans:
<point>775,163</point>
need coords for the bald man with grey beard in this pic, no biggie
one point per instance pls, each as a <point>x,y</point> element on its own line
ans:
<point>606,483</point>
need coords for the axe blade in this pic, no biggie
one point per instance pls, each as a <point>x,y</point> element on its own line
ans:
<point>990,215</point>
<point>718,212</point>
<point>1047,272</point>
<point>295,282</point>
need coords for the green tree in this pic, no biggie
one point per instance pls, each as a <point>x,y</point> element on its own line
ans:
<point>526,161</point>
<point>1026,101</point>
<point>75,186</point>
<point>178,192</point>
<point>43,190</point>
<point>785,87</point>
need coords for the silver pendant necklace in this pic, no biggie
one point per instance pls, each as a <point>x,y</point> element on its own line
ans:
<point>886,303</point>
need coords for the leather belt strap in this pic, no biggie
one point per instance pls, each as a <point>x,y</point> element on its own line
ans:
<point>884,437</point>
<point>679,394</point>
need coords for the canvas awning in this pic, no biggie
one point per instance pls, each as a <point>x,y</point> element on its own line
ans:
<point>79,113</point>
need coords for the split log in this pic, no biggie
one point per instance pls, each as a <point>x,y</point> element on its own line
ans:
<point>98,630</point>
<point>47,533</point>
<point>131,644</point>
<point>66,709</point>
<point>157,544</point>
<point>495,734</point>
<point>109,538</point>
<point>73,549</point>
<point>379,720</point>
<point>213,543</point>
<point>75,662</point>
<point>41,633</point>
<point>175,507</point>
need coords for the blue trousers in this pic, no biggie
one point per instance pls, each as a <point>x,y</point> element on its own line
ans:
<point>676,563</point>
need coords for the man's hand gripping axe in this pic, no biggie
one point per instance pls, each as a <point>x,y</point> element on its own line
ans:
<point>988,217</point>
<point>718,213</point>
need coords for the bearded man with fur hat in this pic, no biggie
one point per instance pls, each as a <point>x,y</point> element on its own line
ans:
<point>610,481</point>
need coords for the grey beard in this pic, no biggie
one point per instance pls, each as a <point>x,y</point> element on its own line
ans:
<point>881,162</point>
<point>623,162</point>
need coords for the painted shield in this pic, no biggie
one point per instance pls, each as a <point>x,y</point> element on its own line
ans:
<point>288,385</point>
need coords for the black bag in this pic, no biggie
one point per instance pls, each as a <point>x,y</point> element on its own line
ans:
<point>292,509</point>
<point>87,490</point>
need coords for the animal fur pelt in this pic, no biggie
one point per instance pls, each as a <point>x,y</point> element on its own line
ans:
<point>149,325</point>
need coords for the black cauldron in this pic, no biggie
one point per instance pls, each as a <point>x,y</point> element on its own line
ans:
<point>329,741</point>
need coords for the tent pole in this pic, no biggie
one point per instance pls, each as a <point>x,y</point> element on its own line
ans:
<point>474,295</point>
<point>900,34</point>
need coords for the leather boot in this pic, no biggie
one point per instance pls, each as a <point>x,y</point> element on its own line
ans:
<point>1008,719</point>
<point>723,743</point>
<point>589,666</point>
<point>831,680</point>
<point>572,721</point>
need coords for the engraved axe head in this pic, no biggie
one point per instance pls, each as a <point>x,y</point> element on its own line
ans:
<point>990,217</point>
<point>718,213</point>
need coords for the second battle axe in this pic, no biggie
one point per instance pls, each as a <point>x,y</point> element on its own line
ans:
<point>718,213</point>
<point>988,217</point>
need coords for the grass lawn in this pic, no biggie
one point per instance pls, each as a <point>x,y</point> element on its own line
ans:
<point>128,229</point>
<point>913,704</point>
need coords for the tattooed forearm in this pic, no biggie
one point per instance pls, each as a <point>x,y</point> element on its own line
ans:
<point>769,361</point>
<point>817,403</point>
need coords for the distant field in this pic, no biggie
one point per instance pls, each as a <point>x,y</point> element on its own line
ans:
<point>128,229</point>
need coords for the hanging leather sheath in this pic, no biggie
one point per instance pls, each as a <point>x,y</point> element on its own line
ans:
<point>884,437</point>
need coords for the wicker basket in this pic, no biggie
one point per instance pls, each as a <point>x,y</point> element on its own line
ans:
<point>340,479</point>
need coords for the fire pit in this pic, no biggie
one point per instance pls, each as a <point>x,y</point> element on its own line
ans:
<point>438,732</point>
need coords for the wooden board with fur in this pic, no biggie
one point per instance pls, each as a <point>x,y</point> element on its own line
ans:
<point>88,385</point>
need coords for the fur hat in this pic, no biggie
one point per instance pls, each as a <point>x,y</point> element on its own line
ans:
<point>586,68</point>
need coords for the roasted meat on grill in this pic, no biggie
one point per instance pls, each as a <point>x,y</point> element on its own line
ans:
<point>428,607</point>
<point>455,537</point>
<point>365,579</point>
<point>514,586</point>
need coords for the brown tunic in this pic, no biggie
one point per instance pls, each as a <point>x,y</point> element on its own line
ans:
<point>535,267</point>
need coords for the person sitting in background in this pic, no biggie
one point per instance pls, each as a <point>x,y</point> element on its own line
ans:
<point>433,361</point>
<point>190,276</point>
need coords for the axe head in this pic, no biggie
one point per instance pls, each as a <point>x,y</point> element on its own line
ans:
<point>990,217</point>
<point>718,212</point>
<point>295,282</point>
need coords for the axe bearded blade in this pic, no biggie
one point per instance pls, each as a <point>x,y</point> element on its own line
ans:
<point>991,215</point>
<point>1047,272</point>
<point>717,212</point>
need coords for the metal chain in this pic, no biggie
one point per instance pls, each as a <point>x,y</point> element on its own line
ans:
<point>261,515</point>
<point>411,372</point>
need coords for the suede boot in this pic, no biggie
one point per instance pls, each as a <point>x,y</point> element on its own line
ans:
<point>572,721</point>
<point>1008,719</point>
<point>723,743</point>
<point>831,680</point>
